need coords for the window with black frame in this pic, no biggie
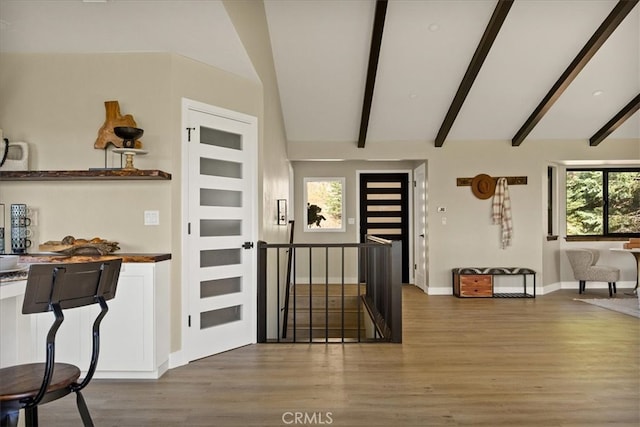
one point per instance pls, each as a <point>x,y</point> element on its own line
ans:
<point>603,202</point>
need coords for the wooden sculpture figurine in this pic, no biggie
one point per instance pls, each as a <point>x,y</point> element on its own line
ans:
<point>113,119</point>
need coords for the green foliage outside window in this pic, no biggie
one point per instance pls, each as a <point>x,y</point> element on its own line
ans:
<point>584,203</point>
<point>324,203</point>
<point>603,202</point>
<point>624,202</point>
<point>334,199</point>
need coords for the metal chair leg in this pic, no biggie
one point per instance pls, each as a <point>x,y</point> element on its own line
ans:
<point>610,290</point>
<point>84,411</point>
<point>31,416</point>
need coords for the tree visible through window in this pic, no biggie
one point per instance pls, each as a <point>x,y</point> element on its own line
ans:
<point>603,202</point>
<point>324,208</point>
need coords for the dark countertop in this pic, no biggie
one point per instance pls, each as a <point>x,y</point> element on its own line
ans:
<point>126,257</point>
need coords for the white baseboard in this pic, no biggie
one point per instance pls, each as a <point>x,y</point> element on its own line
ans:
<point>540,290</point>
<point>177,359</point>
<point>599,285</point>
<point>133,375</point>
<point>547,289</point>
<point>439,290</point>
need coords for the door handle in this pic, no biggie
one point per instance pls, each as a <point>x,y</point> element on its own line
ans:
<point>247,245</point>
<point>422,235</point>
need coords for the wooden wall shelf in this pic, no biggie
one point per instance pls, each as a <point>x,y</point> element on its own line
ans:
<point>85,175</point>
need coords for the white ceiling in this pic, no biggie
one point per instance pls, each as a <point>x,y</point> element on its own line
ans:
<point>321,51</point>
<point>200,30</point>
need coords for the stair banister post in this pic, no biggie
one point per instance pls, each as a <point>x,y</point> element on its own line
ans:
<point>262,293</point>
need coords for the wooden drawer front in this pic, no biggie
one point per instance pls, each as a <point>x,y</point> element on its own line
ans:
<point>476,285</point>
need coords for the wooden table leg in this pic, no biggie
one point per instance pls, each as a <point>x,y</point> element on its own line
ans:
<point>637,257</point>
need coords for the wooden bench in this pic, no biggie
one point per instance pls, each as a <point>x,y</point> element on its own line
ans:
<point>477,282</point>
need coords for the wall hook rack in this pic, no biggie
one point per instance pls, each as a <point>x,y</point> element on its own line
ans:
<point>511,180</point>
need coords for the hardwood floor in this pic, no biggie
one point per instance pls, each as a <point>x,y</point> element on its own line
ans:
<point>549,361</point>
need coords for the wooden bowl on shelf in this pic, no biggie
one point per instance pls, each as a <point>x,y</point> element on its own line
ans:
<point>128,134</point>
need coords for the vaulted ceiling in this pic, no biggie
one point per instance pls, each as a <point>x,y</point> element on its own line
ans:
<point>322,50</point>
<point>429,70</point>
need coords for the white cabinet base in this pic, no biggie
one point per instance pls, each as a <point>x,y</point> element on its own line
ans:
<point>135,332</point>
<point>134,335</point>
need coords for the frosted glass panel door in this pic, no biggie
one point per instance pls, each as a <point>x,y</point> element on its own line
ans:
<point>221,264</point>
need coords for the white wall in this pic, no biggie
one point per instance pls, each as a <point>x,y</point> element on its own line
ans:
<point>56,104</point>
<point>249,20</point>
<point>469,238</point>
<point>348,170</point>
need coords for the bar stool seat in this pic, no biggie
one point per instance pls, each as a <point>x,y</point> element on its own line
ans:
<point>24,381</point>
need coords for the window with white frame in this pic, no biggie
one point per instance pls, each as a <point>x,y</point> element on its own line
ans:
<point>324,207</point>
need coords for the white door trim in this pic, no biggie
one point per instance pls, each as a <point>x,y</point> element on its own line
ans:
<point>420,208</point>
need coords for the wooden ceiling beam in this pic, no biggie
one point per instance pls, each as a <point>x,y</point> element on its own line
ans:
<point>613,124</point>
<point>489,36</point>
<point>608,26</point>
<point>374,55</point>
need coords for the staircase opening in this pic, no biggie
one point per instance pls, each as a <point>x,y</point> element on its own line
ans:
<point>306,292</point>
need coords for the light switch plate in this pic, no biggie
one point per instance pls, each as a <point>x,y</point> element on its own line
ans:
<point>151,218</point>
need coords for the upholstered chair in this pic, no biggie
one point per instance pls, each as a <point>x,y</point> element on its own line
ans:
<point>584,269</point>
